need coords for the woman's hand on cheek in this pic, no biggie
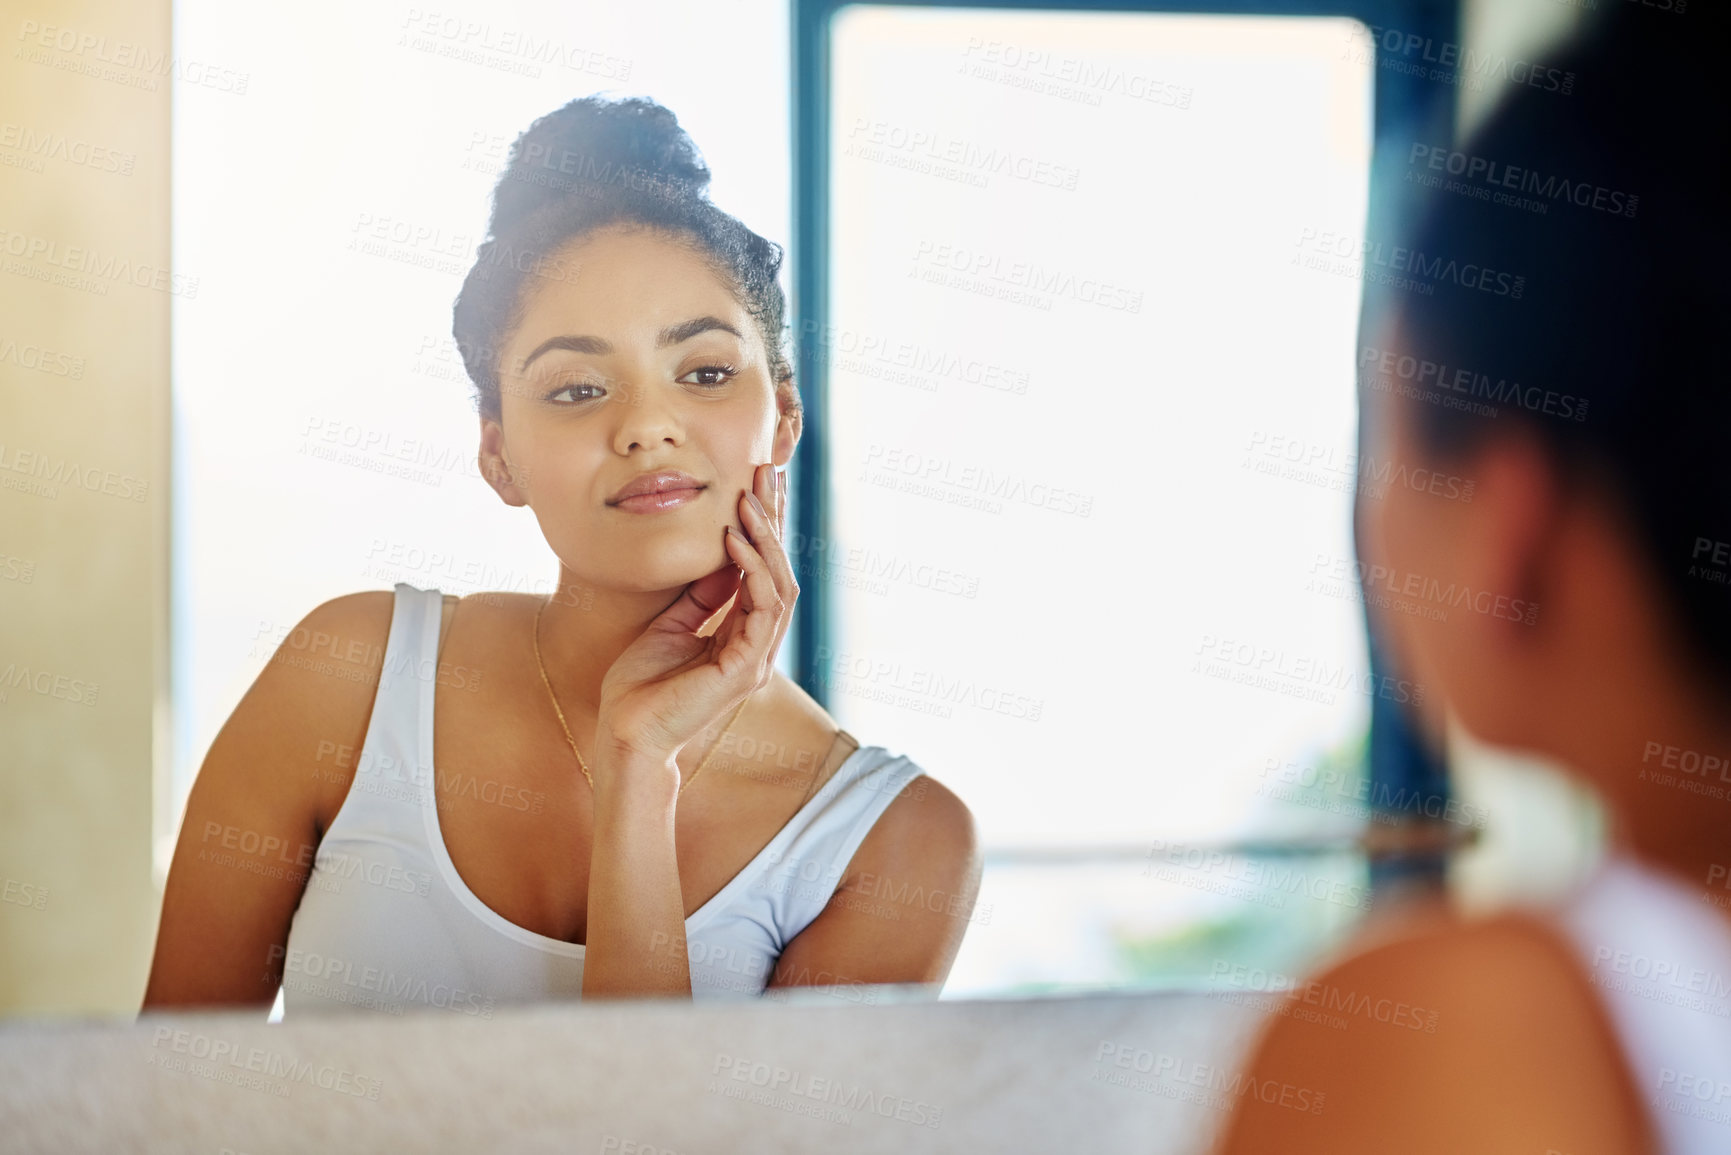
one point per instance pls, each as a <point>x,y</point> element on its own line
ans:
<point>671,685</point>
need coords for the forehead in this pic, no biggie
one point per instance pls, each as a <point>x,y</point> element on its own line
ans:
<point>624,285</point>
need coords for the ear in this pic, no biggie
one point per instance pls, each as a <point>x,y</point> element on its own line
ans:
<point>509,481</point>
<point>1517,641</point>
<point>789,424</point>
<point>1521,510</point>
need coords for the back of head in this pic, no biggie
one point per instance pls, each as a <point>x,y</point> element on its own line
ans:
<point>1612,356</point>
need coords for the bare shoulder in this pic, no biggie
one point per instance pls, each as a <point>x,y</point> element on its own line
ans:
<point>308,710</point>
<point>927,809</point>
<point>926,835</point>
<point>349,631</point>
<point>315,664</point>
<point>368,610</point>
<point>1440,1034</point>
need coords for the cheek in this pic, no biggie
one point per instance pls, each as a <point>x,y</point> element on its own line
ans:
<point>560,473</point>
<point>569,467</point>
<point>1395,520</point>
<point>1397,531</point>
<point>738,440</point>
<point>1393,531</point>
<point>1377,515</point>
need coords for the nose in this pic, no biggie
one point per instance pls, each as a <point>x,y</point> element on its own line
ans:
<point>647,417</point>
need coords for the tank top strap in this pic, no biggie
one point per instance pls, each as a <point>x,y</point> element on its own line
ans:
<point>393,778</point>
<point>798,872</point>
<point>1660,960</point>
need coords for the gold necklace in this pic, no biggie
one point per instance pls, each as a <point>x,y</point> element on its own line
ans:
<point>584,766</point>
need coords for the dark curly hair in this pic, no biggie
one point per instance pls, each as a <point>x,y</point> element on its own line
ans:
<point>593,163</point>
<point>1619,341</point>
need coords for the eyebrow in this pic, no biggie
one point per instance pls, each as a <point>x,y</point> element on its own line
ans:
<point>672,335</point>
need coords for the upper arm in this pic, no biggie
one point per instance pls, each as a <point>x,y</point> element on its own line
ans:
<point>1521,1058</point>
<point>251,824</point>
<point>899,912</point>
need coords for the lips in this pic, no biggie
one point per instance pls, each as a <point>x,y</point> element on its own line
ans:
<point>661,481</point>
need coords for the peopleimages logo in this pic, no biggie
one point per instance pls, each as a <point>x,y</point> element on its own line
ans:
<point>1375,577</point>
<point>508,49</point>
<point>1331,999</point>
<point>194,1052</point>
<point>65,471</point>
<point>1341,790</point>
<point>1379,262</point>
<point>1423,376</point>
<point>1716,567</point>
<point>1039,279</point>
<point>871,139</point>
<point>1203,1083</point>
<point>841,667</point>
<point>1517,179</point>
<point>47,683</point>
<point>335,975</point>
<point>1305,676</point>
<point>134,65</point>
<point>70,149</point>
<point>851,348</point>
<point>1444,60</point>
<point>1268,877</point>
<point>795,1085</point>
<point>1070,77</point>
<point>102,268</point>
<point>41,360</point>
<point>1708,985</point>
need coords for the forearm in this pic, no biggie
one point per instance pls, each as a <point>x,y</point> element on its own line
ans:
<point>635,943</point>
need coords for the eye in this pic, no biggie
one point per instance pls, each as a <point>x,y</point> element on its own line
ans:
<point>726,372</point>
<point>574,385</point>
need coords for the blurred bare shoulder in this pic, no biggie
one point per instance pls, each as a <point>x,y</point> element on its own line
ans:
<point>1438,1034</point>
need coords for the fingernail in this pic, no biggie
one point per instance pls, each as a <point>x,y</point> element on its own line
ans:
<point>757,505</point>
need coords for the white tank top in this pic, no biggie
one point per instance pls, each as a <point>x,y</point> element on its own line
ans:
<point>385,922</point>
<point>1661,961</point>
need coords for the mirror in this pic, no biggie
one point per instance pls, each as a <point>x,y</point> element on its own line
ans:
<point>1087,400</point>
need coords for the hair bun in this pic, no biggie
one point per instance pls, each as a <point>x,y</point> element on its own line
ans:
<point>594,142</point>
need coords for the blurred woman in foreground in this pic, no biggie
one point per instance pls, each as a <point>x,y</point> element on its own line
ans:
<point>1594,416</point>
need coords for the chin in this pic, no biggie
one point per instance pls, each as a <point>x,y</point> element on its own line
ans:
<point>671,565</point>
